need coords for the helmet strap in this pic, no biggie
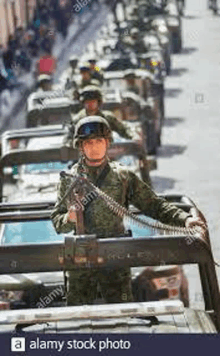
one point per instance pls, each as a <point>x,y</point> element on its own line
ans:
<point>99,162</point>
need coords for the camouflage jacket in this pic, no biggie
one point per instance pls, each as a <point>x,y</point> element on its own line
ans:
<point>115,124</point>
<point>125,188</point>
<point>98,74</point>
<point>82,83</point>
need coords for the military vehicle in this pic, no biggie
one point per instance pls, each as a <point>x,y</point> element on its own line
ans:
<point>33,158</point>
<point>50,108</point>
<point>143,116</point>
<point>174,22</point>
<point>19,261</point>
<point>145,15</point>
<point>148,70</point>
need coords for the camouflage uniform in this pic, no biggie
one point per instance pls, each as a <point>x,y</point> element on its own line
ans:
<point>115,124</point>
<point>98,75</point>
<point>70,78</point>
<point>82,83</point>
<point>125,188</point>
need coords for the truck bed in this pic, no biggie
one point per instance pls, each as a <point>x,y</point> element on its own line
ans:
<point>189,321</point>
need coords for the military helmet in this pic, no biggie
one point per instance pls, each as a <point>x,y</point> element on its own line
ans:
<point>91,92</point>
<point>91,127</point>
<point>92,59</point>
<point>84,67</point>
<point>44,78</point>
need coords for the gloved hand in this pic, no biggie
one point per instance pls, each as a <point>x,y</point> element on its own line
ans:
<point>71,215</point>
<point>196,223</point>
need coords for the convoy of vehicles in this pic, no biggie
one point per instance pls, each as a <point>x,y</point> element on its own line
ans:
<point>33,256</point>
<point>49,108</point>
<point>146,108</point>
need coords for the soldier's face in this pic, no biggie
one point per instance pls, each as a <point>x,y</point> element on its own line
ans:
<point>95,149</point>
<point>92,66</point>
<point>91,105</point>
<point>85,75</point>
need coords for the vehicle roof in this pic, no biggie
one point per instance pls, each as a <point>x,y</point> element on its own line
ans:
<point>48,100</point>
<point>119,74</point>
<point>44,142</point>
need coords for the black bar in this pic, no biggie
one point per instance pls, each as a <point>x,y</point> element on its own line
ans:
<point>214,291</point>
<point>8,217</point>
<point>205,287</point>
<point>115,252</point>
<point>27,205</point>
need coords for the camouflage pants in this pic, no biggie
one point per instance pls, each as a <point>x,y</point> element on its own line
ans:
<point>84,286</point>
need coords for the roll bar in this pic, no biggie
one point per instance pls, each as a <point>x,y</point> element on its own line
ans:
<point>88,251</point>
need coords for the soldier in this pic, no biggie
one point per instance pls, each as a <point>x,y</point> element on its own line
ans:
<point>96,72</point>
<point>91,98</point>
<point>86,76</point>
<point>135,42</point>
<point>92,138</point>
<point>71,73</point>
<point>44,83</point>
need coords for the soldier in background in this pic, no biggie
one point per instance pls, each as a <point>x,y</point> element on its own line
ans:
<point>86,76</point>
<point>91,98</point>
<point>96,72</point>
<point>135,42</point>
<point>71,73</point>
<point>92,138</point>
<point>129,78</point>
<point>44,83</point>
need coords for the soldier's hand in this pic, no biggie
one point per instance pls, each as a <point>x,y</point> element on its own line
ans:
<point>197,224</point>
<point>71,215</point>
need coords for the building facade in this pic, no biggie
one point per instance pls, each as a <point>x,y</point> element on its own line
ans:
<point>14,13</point>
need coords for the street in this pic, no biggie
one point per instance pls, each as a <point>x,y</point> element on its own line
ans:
<point>188,161</point>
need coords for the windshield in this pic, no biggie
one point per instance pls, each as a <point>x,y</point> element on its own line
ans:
<point>43,231</point>
<point>129,160</point>
<point>29,232</point>
<point>138,230</point>
<point>44,167</point>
